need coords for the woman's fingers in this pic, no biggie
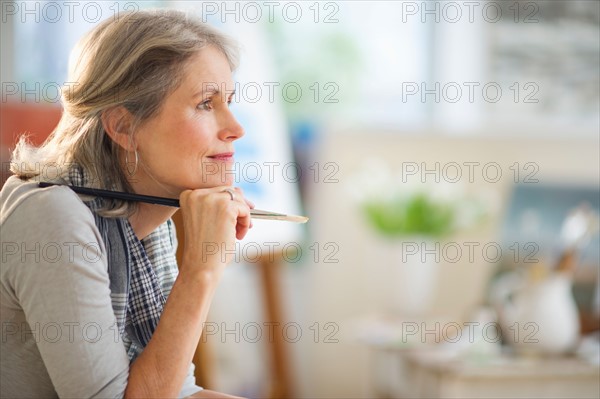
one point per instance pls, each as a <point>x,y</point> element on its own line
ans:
<point>243,224</point>
<point>204,206</point>
<point>244,221</point>
<point>241,193</point>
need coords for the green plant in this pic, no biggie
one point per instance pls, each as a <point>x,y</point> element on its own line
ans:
<point>415,215</point>
<point>395,207</point>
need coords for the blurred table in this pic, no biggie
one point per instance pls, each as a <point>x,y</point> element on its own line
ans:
<point>427,373</point>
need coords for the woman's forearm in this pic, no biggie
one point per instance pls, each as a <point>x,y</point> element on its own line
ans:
<point>208,215</point>
<point>161,368</point>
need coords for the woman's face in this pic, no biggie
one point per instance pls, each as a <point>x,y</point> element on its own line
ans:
<point>189,143</point>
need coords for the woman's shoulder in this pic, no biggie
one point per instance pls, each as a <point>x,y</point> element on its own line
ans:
<point>26,201</point>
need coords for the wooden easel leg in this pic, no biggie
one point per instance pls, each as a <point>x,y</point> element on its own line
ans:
<point>281,385</point>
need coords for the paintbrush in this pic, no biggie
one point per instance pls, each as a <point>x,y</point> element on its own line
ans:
<point>149,199</point>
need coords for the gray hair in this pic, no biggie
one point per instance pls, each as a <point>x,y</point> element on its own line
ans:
<point>134,60</point>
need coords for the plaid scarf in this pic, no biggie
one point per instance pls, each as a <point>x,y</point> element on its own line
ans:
<point>137,294</point>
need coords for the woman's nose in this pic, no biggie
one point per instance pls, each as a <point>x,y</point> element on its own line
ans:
<point>231,129</point>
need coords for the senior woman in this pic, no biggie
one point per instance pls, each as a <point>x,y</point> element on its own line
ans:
<point>86,280</point>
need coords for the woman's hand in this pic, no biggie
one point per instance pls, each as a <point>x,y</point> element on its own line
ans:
<point>212,220</point>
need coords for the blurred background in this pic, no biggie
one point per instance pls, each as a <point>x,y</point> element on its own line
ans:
<point>447,154</point>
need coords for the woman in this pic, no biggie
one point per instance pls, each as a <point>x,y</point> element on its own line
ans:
<point>85,280</point>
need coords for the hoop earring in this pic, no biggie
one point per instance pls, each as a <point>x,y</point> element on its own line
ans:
<point>127,163</point>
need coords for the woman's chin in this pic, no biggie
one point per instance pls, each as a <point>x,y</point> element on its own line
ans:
<point>216,181</point>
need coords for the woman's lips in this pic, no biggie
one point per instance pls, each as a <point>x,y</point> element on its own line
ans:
<point>224,157</point>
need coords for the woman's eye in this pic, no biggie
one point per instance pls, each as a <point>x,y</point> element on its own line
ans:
<point>230,99</point>
<point>206,105</point>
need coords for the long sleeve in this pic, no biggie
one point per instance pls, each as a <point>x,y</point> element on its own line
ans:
<point>56,307</point>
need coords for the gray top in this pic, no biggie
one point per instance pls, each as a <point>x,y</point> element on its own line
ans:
<point>59,332</point>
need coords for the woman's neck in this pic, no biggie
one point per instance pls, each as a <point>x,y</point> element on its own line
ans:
<point>148,217</point>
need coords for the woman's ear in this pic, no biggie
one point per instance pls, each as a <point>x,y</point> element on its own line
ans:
<point>117,122</point>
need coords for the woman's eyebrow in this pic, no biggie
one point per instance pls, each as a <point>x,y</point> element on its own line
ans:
<point>213,91</point>
<point>207,89</point>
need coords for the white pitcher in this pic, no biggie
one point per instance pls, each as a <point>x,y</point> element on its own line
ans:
<point>538,315</point>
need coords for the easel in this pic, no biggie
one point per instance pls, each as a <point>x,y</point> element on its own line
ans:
<point>281,383</point>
